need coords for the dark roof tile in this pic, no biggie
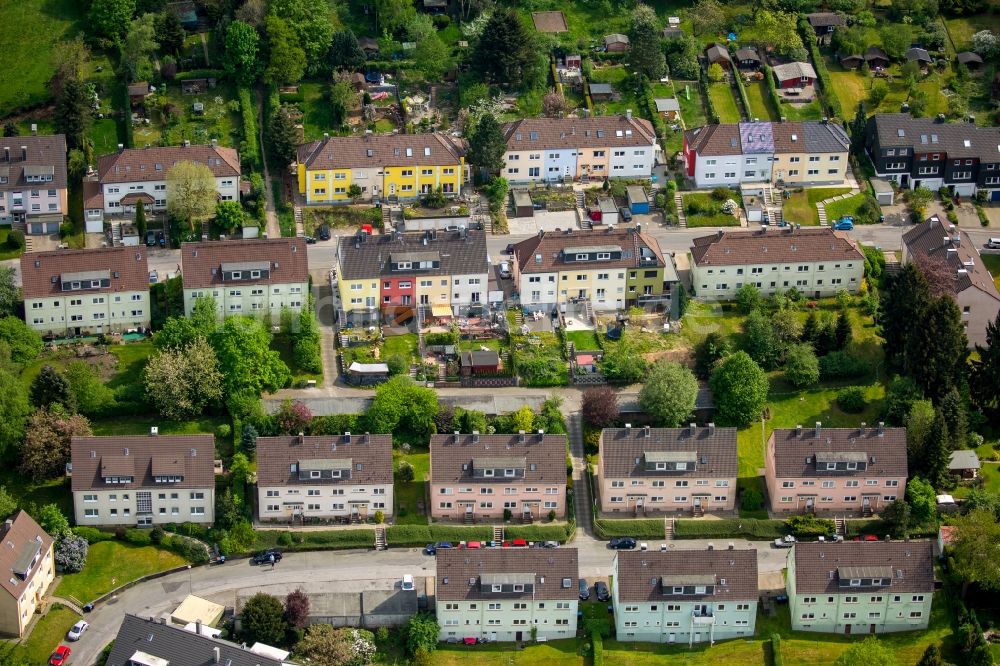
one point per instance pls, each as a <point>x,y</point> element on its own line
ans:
<point>715,450</point>
<point>639,250</point>
<point>926,246</point>
<point>792,450</point>
<point>41,271</point>
<point>201,262</point>
<point>550,568</point>
<point>275,456</point>
<point>546,452</point>
<point>194,454</point>
<point>46,152</point>
<point>370,258</point>
<point>817,565</point>
<point>380,150</point>
<point>737,248</point>
<point>21,541</point>
<point>593,132</point>
<point>140,164</point>
<point>641,574</point>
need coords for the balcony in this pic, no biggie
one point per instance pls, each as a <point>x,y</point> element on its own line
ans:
<point>702,618</point>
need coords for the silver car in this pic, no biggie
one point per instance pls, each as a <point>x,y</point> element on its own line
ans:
<point>77,630</point>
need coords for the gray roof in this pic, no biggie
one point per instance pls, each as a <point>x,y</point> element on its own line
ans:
<point>825,137</point>
<point>636,194</point>
<point>601,89</point>
<point>460,572</point>
<point>667,104</point>
<point>796,453</point>
<point>747,53</point>
<point>44,155</point>
<point>178,646</point>
<point>372,453</point>
<point>823,19</point>
<point>964,459</point>
<point>961,260</point>
<point>739,248</point>
<point>458,255</point>
<point>927,135</point>
<point>616,38</point>
<point>642,575</point>
<point>873,52</point>
<point>920,55</point>
<point>714,449</point>
<point>715,53</point>
<point>881,186</point>
<point>450,459</point>
<point>794,70</point>
<point>142,457</point>
<point>966,57</point>
<point>818,565</point>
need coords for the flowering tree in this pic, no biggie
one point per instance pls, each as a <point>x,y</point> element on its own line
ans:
<point>71,552</point>
<point>293,417</point>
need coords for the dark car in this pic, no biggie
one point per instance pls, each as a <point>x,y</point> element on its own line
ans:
<point>264,557</point>
<point>622,543</point>
<point>323,232</point>
<point>625,214</point>
<point>433,548</point>
<point>161,240</point>
<point>603,593</point>
<point>310,240</point>
<point>584,589</point>
<point>150,238</point>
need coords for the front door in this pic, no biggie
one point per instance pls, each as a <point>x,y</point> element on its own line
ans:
<point>697,501</point>
<point>847,630</point>
<point>468,509</point>
<point>671,638</point>
<point>871,629</point>
<point>866,503</point>
<point>809,504</point>
<point>518,636</point>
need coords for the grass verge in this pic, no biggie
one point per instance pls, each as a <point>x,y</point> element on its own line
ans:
<point>113,563</point>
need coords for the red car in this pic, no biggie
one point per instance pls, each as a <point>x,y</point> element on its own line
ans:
<point>469,640</point>
<point>474,545</point>
<point>60,656</point>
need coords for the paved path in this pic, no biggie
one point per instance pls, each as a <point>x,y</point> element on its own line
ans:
<point>851,182</point>
<point>582,500</point>
<point>273,228</point>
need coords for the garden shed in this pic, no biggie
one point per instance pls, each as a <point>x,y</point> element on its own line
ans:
<point>638,201</point>
<point>884,193</point>
<point>522,203</point>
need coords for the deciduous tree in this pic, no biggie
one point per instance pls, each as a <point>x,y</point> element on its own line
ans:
<point>645,53</point>
<point>246,359</point>
<point>739,387</point>
<point>325,646</point>
<point>229,216</point>
<point>191,193</point>
<point>263,619</point>
<point>422,632</point>
<point>869,652</point>
<point>976,549</point>
<point>24,344</point>
<point>169,32</point>
<point>599,407</point>
<point>400,404</point>
<point>14,410</point>
<point>46,444</point>
<point>801,365</point>
<point>682,56</point>
<point>110,18</point>
<point>93,397</point>
<point>297,609</point>
<point>182,382</point>
<point>669,393</point>
<point>8,504</point>
<point>707,17</point>
<point>708,352</point>
<point>922,499</point>
<point>71,552</point>
<point>241,56</point>
<point>51,519</point>
<point>139,47</point>
<point>286,63</point>
<point>432,57</point>
<point>311,20</point>
<point>292,417</point>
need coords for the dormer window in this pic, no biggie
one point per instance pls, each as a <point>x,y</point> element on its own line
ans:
<point>518,587</point>
<point>603,255</point>
<point>582,257</point>
<point>509,472</point>
<point>254,275</point>
<point>404,265</point>
<point>315,474</point>
<point>237,275</point>
<point>487,472</point>
<point>497,588</point>
<point>168,478</point>
<point>852,465</point>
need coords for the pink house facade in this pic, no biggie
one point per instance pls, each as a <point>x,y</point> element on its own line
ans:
<point>852,471</point>
<point>475,478</point>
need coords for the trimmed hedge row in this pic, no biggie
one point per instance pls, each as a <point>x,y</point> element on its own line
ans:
<point>327,540</point>
<point>776,657</point>
<point>560,533</point>
<point>854,528</point>
<point>250,145</point>
<point>421,535</point>
<point>738,76</point>
<point>747,528</point>
<point>605,528</point>
<point>713,116</point>
<point>772,90</point>
<point>598,649</point>
<point>828,97</point>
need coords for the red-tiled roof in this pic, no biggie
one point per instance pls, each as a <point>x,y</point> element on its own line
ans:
<point>201,262</point>
<point>739,248</point>
<point>594,132</point>
<point>41,272</point>
<point>643,576</point>
<point>146,164</point>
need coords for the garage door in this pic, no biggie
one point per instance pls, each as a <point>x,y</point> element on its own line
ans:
<point>965,190</point>
<point>995,196</point>
<point>35,228</point>
<point>51,227</point>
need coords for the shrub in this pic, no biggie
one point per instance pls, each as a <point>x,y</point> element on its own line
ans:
<point>507,515</point>
<point>15,239</point>
<point>537,532</point>
<point>729,528</point>
<point>639,529</point>
<point>379,517</point>
<point>776,657</point>
<point>156,535</point>
<point>405,472</point>
<point>422,632</point>
<point>223,431</point>
<point>751,499</point>
<point>138,537</point>
<point>852,399</point>
<point>285,539</point>
<point>71,552</point>
<point>433,339</point>
<point>93,535</point>
<point>721,193</point>
<point>810,526</point>
<point>842,365</point>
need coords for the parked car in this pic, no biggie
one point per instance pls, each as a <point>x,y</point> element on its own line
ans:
<point>433,548</point>
<point>77,630</point>
<point>150,238</point>
<point>603,593</point>
<point>504,270</point>
<point>407,583</point>
<point>622,543</point>
<point>323,232</point>
<point>153,277</point>
<point>550,544</point>
<point>264,556</point>
<point>787,542</point>
<point>161,240</point>
<point>992,244</point>
<point>310,240</point>
<point>845,223</point>
<point>625,214</point>
<point>584,589</point>
<point>60,656</point>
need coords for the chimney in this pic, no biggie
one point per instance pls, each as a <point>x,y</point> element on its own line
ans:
<point>628,114</point>
<point>366,438</point>
<point>121,147</point>
<point>215,143</point>
<point>347,438</point>
<point>6,153</point>
<point>863,426</point>
<point>628,428</point>
<point>819,428</point>
<point>218,654</point>
<point>34,129</point>
<point>154,431</point>
<point>711,428</point>
<point>798,431</point>
<point>24,153</point>
<point>541,434</point>
<point>456,436</point>
<point>475,436</point>
<point>520,437</point>
<point>197,626</point>
<point>692,428</point>
<point>645,431</point>
<point>945,241</point>
<point>881,428</point>
<point>300,438</point>
<point>7,524</point>
<point>187,144</point>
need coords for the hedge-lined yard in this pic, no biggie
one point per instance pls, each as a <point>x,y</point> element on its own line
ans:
<point>746,528</point>
<point>421,535</point>
<point>639,529</point>
<point>558,533</point>
<point>327,540</point>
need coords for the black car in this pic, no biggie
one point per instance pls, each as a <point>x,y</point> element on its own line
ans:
<point>310,240</point>
<point>622,543</point>
<point>603,593</point>
<point>433,548</point>
<point>323,232</point>
<point>265,556</point>
<point>584,590</point>
<point>161,239</point>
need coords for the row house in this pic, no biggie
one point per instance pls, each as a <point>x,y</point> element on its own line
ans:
<point>143,480</point>
<point>856,471</point>
<point>684,596</point>
<point>860,587</point>
<point>443,273</point>
<point>393,166</point>
<point>559,149</point>
<point>86,292</point>
<point>478,477</point>
<point>952,263</point>
<point>643,470</point>
<point>925,152</point>
<point>33,183</point>
<point>132,175</point>
<point>793,153</point>
<point>259,277</point>
<point>328,477</point>
<point>610,268</point>
<point>507,594</point>
<point>27,555</point>
<point>817,261</point>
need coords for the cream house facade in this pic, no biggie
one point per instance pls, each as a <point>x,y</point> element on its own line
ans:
<point>810,153</point>
<point>27,555</point>
<point>79,292</point>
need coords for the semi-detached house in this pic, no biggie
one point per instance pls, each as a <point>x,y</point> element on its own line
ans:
<point>684,596</point>
<point>860,587</point>
<point>259,277</point>
<point>33,184</point>
<point>325,477</point>
<point>27,557</point>
<point>506,594</point>
<point>816,261</point>
<point>560,149</point>
<point>86,292</point>
<point>394,166</point>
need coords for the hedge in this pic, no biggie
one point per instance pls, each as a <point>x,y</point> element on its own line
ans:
<point>713,116</point>
<point>853,528</point>
<point>598,642</point>
<point>776,657</point>
<point>93,535</point>
<point>738,76</point>
<point>605,528</point>
<point>772,90</point>
<point>745,528</point>
<point>421,535</point>
<point>250,146</point>
<point>559,533</point>
<point>828,98</point>
<point>327,540</point>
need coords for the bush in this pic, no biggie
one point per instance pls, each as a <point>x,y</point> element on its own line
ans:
<point>379,517</point>
<point>249,146</point>
<point>639,529</point>
<point>434,339</point>
<point>729,528</point>
<point>776,657</point>
<point>852,399</point>
<point>538,532</point>
<point>285,539</point>
<point>223,431</point>
<point>405,472</point>
<point>138,537</point>
<point>751,499</point>
<point>842,365</point>
<point>721,193</point>
<point>15,239</point>
<point>156,535</point>
<point>810,526</point>
<point>71,552</point>
<point>421,535</point>
<point>93,535</point>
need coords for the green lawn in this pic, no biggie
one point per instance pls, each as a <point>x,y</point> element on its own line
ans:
<point>800,207</point>
<point>476,345</point>
<point>218,120</point>
<point>552,653</point>
<point>810,111</point>
<point>139,425</point>
<point>284,346</point>
<point>992,262</point>
<point>849,87</point>
<point>848,206</point>
<point>27,492</point>
<point>688,94</point>
<point>412,495</point>
<point>104,134</point>
<point>46,636</point>
<point>405,345</point>
<point>317,116</point>
<point>583,340</point>
<point>6,252</point>
<point>962,29</point>
<point>760,103</point>
<point>122,562</point>
<point>718,219</point>
<point>725,103</point>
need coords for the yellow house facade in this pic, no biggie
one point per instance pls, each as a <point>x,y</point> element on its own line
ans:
<point>404,166</point>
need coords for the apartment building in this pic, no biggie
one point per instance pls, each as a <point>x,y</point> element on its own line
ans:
<point>443,273</point>
<point>33,183</point>
<point>816,261</point>
<point>86,292</point>
<point>926,152</point>
<point>860,587</point>
<point>793,153</point>
<point>143,480</point>
<point>951,262</point>
<point>610,268</point>
<point>560,149</point>
<point>394,166</point>
<point>653,470</point>
<point>478,477</point>
<point>504,594</point>
<point>324,477</point>
<point>684,596</point>
<point>27,555</point>
<point>856,471</point>
<point>259,277</point>
<point>132,175</point>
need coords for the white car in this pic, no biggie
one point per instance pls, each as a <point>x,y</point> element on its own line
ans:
<point>407,584</point>
<point>77,630</point>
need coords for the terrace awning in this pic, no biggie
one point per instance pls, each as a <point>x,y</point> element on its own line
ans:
<point>441,310</point>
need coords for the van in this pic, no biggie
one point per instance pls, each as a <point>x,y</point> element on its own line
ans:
<point>505,270</point>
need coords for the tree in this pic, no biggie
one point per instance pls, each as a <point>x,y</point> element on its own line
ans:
<point>487,145</point>
<point>248,440</point>
<point>191,192</point>
<point>623,364</point>
<point>937,451</point>
<point>140,218</point>
<point>749,299</point>
<point>342,99</point>
<point>919,423</point>
<point>246,360</point>
<point>843,331</point>
<point>8,504</point>
<point>45,451</point>
<point>936,351</point>
<point>93,397</point>
<point>715,72</point>
<point>71,552</point>
<point>311,21</point>
<point>73,113</point>
<point>51,519</point>
<point>405,472</point>
<point>240,59</point>
<point>919,197</point>
<point>896,515</point>
<point>682,57</point>
<point>740,389</point>
<point>645,54</point>
<point>9,297</point>
<point>904,302</point>
<point>931,657</point>
<point>432,56</point>
<point>323,645</point>
<point>345,52</point>
<point>422,632</point>
<point>801,365</point>
<point>599,407</point>
<point>877,93</point>
<point>869,652</point>
<point>976,549</point>
<point>14,410</point>
<point>759,340</point>
<point>297,609</point>
<point>980,498</point>
<point>986,44</point>
<point>181,383</point>
<point>292,417</point>
<point>554,104</point>
<point>139,47</point>
<point>778,30</point>
<point>110,18</point>
<point>707,17</point>
<point>169,32</point>
<point>23,343</point>
<point>953,408</point>
<point>922,500</point>
<point>506,50</point>
<point>283,136</point>
<point>10,129</point>
<point>50,387</point>
<point>984,369</point>
<point>287,61</point>
<point>392,15</point>
<point>229,216</point>
<point>263,619</point>
<point>896,39</point>
<point>708,352</point>
<point>402,405</point>
<point>669,393</point>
